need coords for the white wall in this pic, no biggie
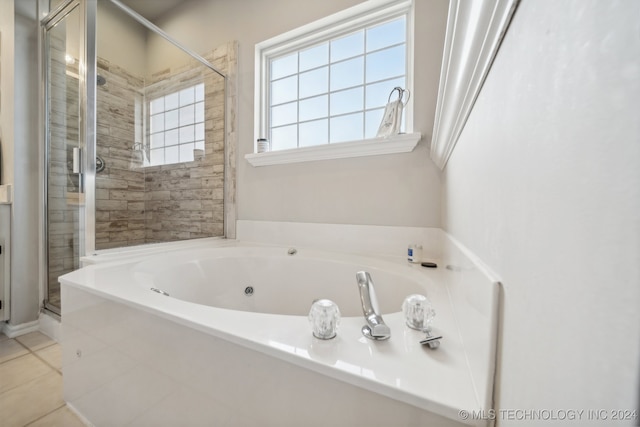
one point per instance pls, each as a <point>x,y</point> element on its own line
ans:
<point>544,186</point>
<point>401,189</point>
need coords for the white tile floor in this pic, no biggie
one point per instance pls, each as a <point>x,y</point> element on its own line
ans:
<point>31,383</point>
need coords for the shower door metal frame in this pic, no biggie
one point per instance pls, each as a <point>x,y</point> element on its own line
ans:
<point>88,123</point>
<point>229,204</point>
<point>87,130</point>
<point>229,155</point>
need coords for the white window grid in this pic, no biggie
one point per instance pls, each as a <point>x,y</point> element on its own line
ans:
<point>176,126</point>
<point>322,33</point>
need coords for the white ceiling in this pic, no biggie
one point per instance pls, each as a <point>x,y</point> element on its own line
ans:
<point>152,9</point>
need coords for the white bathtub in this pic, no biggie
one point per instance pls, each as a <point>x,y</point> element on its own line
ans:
<point>211,355</point>
<point>280,283</point>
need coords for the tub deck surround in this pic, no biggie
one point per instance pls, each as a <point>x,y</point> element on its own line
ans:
<point>390,241</point>
<point>129,252</point>
<point>457,376</point>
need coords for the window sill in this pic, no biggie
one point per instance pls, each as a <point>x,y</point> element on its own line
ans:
<point>403,143</point>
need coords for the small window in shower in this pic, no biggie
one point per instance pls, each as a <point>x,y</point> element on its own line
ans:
<point>176,127</point>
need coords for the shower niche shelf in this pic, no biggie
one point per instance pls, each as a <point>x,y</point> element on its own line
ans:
<point>6,194</point>
<point>75,199</point>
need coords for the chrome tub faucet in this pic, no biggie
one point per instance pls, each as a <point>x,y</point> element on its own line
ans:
<point>375,328</point>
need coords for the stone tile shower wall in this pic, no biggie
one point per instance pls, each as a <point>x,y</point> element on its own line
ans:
<point>186,200</point>
<point>120,217</point>
<point>136,204</point>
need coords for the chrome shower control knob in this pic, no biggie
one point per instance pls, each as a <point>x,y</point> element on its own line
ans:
<point>324,318</point>
<point>418,312</point>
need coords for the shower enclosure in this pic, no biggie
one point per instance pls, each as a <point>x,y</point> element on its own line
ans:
<point>135,134</point>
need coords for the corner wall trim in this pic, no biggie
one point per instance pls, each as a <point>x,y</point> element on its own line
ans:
<point>13,331</point>
<point>465,66</point>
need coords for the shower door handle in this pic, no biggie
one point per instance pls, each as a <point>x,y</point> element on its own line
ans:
<point>77,160</point>
<point>77,167</point>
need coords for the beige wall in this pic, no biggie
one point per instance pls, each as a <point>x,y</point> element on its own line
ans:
<point>544,186</point>
<point>20,151</point>
<point>402,189</point>
<point>121,40</point>
<point>6,88</point>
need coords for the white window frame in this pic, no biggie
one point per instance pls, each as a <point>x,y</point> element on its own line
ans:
<point>368,13</point>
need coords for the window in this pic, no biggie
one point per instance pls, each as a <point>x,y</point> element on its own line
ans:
<point>330,81</point>
<point>176,126</point>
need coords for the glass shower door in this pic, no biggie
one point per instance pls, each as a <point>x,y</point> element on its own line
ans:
<point>64,195</point>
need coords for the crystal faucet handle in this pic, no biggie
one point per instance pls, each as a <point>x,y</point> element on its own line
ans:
<point>324,318</point>
<point>418,312</point>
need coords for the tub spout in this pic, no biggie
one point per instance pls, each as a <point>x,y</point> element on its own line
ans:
<point>375,328</point>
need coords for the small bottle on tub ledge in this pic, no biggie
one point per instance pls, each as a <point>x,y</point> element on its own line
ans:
<point>414,253</point>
